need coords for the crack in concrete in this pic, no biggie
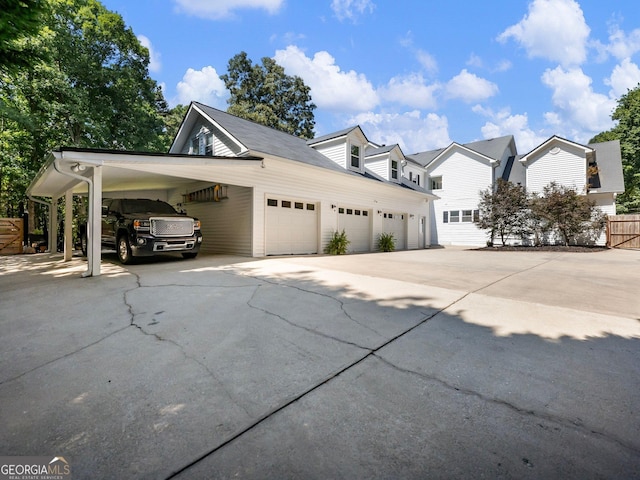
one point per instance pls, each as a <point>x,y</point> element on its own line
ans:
<point>555,419</point>
<point>302,327</point>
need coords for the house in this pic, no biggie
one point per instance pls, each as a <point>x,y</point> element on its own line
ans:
<point>256,190</point>
<point>458,173</point>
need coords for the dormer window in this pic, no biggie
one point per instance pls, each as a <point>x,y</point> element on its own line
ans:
<point>394,169</point>
<point>355,156</point>
<point>202,143</point>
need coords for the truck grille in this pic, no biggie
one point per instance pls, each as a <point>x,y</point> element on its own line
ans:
<point>171,227</point>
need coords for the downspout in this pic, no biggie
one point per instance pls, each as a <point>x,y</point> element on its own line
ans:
<point>57,166</point>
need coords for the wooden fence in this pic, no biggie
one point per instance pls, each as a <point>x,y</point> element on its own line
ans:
<point>623,231</point>
<point>11,235</point>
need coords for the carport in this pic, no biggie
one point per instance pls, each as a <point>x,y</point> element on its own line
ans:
<point>93,172</point>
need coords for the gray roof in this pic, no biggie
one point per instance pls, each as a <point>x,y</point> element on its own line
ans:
<point>265,140</point>
<point>370,152</point>
<point>492,148</point>
<point>329,136</point>
<point>609,160</point>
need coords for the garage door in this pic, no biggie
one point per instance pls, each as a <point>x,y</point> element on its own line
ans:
<point>357,225</point>
<point>395,223</point>
<point>291,227</point>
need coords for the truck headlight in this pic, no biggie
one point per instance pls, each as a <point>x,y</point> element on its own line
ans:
<point>141,224</point>
<point>196,224</point>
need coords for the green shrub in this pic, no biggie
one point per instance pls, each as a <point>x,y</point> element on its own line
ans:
<point>338,244</point>
<point>386,242</point>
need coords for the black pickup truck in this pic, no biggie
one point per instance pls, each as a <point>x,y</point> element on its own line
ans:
<point>143,227</point>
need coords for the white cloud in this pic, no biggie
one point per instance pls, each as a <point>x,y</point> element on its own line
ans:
<point>351,9</point>
<point>331,88</point>
<point>155,64</point>
<point>413,132</point>
<point>582,111</point>
<point>503,123</point>
<point>220,9</point>
<point>625,76</point>
<point>553,29</point>
<point>427,61</point>
<point>411,91</point>
<point>203,86</point>
<point>621,45</point>
<point>468,87</point>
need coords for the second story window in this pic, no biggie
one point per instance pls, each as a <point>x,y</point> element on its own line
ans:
<point>355,156</point>
<point>202,143</point>
<point>436,183</point>
<point>394,169</point>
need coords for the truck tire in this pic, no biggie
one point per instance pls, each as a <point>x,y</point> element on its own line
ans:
<point>124,250</point>
<point>189,255</point>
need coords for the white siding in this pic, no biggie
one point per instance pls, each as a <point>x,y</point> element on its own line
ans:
<point>380,167</point>
<point>335,151</point>
<point>226,225</point>
<point>411,172</point>
<point>463,177</point>
<point>222,146</point>
<point>567,167</point>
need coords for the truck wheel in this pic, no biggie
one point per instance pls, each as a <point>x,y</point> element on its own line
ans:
<point>189,255</point>
<point>124,250</point>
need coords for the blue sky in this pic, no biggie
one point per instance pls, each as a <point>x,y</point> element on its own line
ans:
<point>420,73</point>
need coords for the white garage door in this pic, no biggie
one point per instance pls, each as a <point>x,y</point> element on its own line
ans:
<point>395,223</point>
<point>357,225</point>
<point>292,227</point>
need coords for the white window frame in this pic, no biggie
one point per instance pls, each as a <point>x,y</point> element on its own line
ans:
<point>352,156</point>
<point>436,182</point>
<point>394,170</point>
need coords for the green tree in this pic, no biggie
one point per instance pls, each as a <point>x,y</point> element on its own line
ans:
<point>266,95</point>
<point>89,88</point>
<point>19,20</point>
<point>504,211</point>
<point>627,114</point>
<point>573,216</point>
<point>173,120</point>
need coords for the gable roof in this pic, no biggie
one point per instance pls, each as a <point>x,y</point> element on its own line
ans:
<point>553,139</point>
<point>266,140</point>
<point>492,148</point>
<point>339,134</point>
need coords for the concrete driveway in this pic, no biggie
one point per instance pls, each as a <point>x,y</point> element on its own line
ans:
<point>442,363</point>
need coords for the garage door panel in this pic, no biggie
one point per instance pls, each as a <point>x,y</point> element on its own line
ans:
<point>395,223</point>
<point>357,225</point>
<point>291,227</point>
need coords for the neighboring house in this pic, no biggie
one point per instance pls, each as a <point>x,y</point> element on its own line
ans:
<point>459,172</point>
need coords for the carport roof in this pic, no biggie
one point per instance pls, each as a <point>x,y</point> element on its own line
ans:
<point>126,170</point>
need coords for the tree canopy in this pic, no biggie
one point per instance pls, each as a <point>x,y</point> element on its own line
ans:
<point>265,94</point>
<point>627,114</point>
<point>89,87</point>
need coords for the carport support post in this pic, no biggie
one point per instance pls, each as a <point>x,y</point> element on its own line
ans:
<point>68,225</point>
<point>94,254</point>
<point>53,226</point>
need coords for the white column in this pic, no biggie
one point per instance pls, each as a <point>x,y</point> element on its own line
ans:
<point>94,224</point>
<point>68,225</point>
<point>53,225</point>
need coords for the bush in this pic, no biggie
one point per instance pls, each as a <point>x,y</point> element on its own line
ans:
<point>338,244</point>
<point>386,242</point>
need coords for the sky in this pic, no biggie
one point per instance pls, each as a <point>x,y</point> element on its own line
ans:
<point>419,73</point>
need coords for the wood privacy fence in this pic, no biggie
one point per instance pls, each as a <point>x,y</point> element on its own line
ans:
<point>11,235</point>
<point>623,231</point>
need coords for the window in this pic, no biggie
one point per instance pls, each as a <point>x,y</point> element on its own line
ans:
<point>208,144</point>
<point>355,156</point>
<point>436,183</point>
<point>394,169</point>
<point>445,217</point>
<point>272,202</point>
<point>476,215</point>
<point>311,206</point>
<point>349,211</point>
<point>365,213</point>
<point>411,176</point>
<point>286,204</point>
<point>299,206</point>
<point>467,215</point>
<point>454,216</point>
<point>357,212</point>
<point>195,147</point>
<point>341,210</point>
<point>417,179</point>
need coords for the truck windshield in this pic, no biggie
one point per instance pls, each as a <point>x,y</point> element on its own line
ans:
<point>146,206</point>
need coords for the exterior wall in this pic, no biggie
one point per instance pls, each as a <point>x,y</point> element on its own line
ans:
<point>567,167</point>
<point>462,179</point>
<point>221,145</point>
<point>326,189</point>
<point>380,167</point>
<point>335,151</point>
<point>415,170</point>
